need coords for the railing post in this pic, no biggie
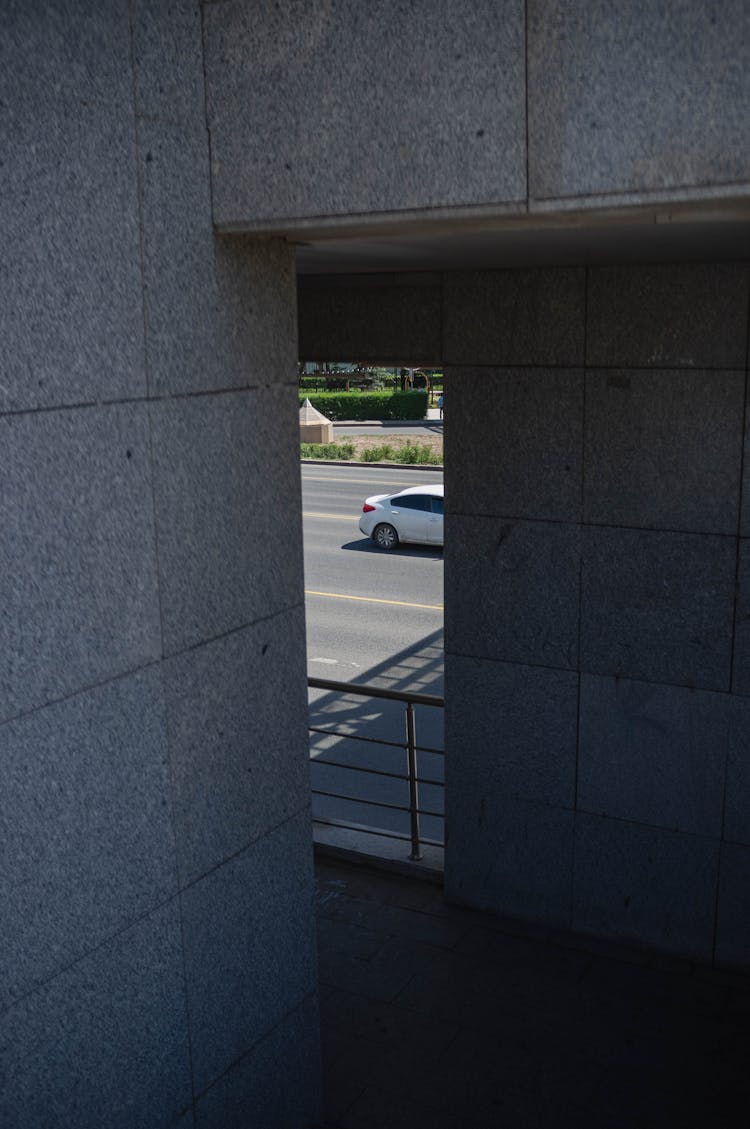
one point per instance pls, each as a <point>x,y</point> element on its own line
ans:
<point>411,754</point>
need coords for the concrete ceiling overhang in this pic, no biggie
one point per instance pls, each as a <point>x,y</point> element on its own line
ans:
<point>705,231</point>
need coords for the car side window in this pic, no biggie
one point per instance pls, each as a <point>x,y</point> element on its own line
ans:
<point>411,502</point>
<point>437,505</point>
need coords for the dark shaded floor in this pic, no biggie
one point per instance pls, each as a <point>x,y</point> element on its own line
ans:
<point>437,1017</point>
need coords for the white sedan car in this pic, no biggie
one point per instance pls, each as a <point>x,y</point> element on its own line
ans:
<point>415,514</point>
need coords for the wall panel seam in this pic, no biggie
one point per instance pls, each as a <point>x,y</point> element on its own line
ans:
<point>234,630</point>
<point>592,673</point>
<point>267,831</point>
<point>84,405</point>
<point>742,499</point>
<point>205,111</point>
<point>64,968</point>
<point>476,514</point>
<point>50,703</point>
<point>308,997</point>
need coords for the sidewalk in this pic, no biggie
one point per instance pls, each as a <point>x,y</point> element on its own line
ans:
<point>430,422</point>
<point>437,1017</point>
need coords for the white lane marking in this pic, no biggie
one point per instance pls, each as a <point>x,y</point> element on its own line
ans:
<point>328,662</point>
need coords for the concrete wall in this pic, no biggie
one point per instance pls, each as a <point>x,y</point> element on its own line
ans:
<point>596,588</point>
<point>334,111</point>
<point>158,962</point>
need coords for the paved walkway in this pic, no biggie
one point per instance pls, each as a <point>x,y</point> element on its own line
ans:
<point>430,425</point>
<point>436,1017</point>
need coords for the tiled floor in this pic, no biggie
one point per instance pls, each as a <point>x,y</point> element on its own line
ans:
<point>436,1017</point>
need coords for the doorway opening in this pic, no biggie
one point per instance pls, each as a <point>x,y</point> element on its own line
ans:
<point>374,607</point>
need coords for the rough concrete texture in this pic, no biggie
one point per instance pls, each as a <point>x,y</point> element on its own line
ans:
<point>627,98</point>
<point>737,800</point>
<point>653,754</point>
<point>116,291</point>
<point>70,260</point>
<point>514,317</point>
<point>225,558</point>
<point>533,420</point>
<point>168,61</point>
<point>741,665</point>
<point>220,312</point>
<point>90,843</point>
<point>668,316</point>
<point>238,762</point>
<point>745,509</point>
<point>646,884</point>
<point>106,1041</point>
<point>67,263</point>
<point>512,590</point>
<point>523,743</point>
<point>253,1083</point>
<point>643,430</point>
<point>658,606</point>
<point>415,106</point>
<point>508,854</point>
<point>642,470</point>
<point>78,582</point>
<point>733,911</point>
<point>249,946</point>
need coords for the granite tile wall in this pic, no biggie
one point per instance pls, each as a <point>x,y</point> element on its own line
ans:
<point>631,100</point>
<point>391,107</point>
<point>594,571</point>
<point>70,209</point>
<point>155,888</point>
<point>355,114</point>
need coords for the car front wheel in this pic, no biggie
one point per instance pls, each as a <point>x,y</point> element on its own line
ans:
<point>385,536</point>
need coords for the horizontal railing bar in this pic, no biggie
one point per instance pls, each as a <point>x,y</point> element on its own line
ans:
<point>365,829</point>
<point>356,737</point>
<point>371,803</point>
<point>366,691</point>
<point>374,803</point>
<point>376,771</point>
<point>373,740</point>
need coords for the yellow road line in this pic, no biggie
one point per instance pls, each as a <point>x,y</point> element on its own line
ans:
<point>375,600</point>
<point>338,517</point>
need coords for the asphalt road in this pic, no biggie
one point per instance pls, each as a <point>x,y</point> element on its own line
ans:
<point>372,617</point>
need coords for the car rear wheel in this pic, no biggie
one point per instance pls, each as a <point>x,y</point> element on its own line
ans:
<point>385,536</point>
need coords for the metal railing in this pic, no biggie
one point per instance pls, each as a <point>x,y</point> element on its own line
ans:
<point>410,776</point>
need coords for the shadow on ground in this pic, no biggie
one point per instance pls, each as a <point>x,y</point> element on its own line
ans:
<point>353,734</point>
<point>439,1017</point>
<point>365,545</point>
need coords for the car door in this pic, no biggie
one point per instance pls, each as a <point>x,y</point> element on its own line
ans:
<point>435,523</point>
<point>411,517</point>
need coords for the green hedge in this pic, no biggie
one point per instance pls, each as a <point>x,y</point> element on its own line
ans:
<point>369,405</point>
<point>406,453</point>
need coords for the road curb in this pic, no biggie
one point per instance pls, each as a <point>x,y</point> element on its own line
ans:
<point>361,465</point>
<point>384,422</point>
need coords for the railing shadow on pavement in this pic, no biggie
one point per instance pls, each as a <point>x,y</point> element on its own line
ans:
<point>377,758</point>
